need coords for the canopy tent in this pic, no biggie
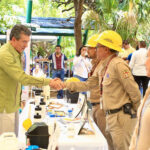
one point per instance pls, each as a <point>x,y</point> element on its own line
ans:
<point>50,26</point>
<point>50,22</point>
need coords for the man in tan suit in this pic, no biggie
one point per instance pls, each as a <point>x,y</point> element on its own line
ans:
<point>120,95</point>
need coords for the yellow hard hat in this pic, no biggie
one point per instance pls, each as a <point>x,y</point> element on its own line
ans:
<point>110,39</point>
<point>73,79</point>
<point>92,41</point>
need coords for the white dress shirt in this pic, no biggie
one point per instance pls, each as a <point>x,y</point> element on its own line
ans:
<point>82,66</point>
<point>137,63</point>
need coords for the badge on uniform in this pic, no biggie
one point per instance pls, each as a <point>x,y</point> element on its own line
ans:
<point>107,75</point>
<point>126,74</point>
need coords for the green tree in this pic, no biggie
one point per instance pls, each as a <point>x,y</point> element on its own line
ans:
<point>124,16</point>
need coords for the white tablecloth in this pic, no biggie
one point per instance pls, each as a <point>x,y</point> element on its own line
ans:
<point>79,142</point>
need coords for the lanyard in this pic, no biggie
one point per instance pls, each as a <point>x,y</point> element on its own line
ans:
<point>101,84</point>
<point>93,69</point>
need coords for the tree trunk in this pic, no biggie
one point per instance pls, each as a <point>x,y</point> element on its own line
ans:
<point>78,4</point>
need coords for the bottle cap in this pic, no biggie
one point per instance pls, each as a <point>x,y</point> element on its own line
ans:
<point>70,110</point>
<point>52,115</point>
<point>38,108</point>
<point>42,102</point>
<point>42,99</point>
<point>37,116</point>
<point>32,147</point>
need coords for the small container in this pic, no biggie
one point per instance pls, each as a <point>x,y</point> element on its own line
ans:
<point>43,106</point>
<point>37,99</point>
<point>8,141</point>
<point>37,118</point>
<point>37,96</point>
<point>32,147</point>
<point>38,110</point>
<point>70,113</point>
<point>52,115</point>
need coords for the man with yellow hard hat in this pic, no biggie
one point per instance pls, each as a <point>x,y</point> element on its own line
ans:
<point>98,114</point>
<point>120,93</point>
<point>120,96</point>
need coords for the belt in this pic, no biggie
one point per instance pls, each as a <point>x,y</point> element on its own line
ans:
<point>94,104</point>
<point>57,69</point>
<point>112,111</point>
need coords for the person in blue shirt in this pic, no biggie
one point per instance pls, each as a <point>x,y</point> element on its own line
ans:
<point>58,66</point>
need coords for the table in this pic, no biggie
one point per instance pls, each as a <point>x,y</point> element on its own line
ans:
<point>79,142</point>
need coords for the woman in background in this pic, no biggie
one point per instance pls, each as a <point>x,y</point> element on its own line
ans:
<point>82,64</point>
<point>137,65</point>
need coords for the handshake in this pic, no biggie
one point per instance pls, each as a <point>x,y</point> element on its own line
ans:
<point>57,84</point>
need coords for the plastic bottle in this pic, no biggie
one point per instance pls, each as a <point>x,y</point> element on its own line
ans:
<point>37,95</point>
<point>37,98</point>
<point>38,110</point>
<point>37,118</point>
<point>70,113</point>
<point>43,106</point>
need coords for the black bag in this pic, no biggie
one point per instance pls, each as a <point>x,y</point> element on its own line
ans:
<point>72,96</point>
<point>38,135</point>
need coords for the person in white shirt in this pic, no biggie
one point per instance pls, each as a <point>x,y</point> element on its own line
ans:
<point>137,65</point>
<point>82,65</point>
<point>37,72</point>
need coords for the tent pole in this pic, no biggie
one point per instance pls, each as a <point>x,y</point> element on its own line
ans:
<point>29,11</point>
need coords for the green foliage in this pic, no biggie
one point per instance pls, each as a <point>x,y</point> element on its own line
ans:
<point>143,33</point>
<point>68,46</point>
<point>124,6</point>
<point>115,15</point>
<point>8,10</point>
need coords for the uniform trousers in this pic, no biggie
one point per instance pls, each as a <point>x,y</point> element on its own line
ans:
<point>100,120</point>
<point>142,81</point>
<point>121,127</point>
<point>9,122</point>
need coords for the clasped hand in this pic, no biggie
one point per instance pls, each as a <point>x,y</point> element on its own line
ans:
<point>56,84</point>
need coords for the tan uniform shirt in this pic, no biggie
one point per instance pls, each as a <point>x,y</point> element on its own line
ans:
<point>91,84</point>
<point>119,86</point>
<point>95,91</point>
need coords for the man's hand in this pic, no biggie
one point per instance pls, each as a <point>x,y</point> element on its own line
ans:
<point>56,84</point>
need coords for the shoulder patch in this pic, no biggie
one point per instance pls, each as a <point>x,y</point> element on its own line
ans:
<point>126,74</point>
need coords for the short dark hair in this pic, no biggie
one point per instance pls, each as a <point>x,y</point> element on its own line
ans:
<point>58,46</point>
<point>19,29</point>
<point>113,51</point>
<point>79,52</point>
<point>126,42</point>
<point>142,44</point>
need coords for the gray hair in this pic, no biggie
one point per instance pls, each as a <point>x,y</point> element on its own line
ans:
<point>19,29</point>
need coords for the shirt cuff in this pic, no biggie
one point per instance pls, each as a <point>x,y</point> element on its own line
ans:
<point>46,81</point>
